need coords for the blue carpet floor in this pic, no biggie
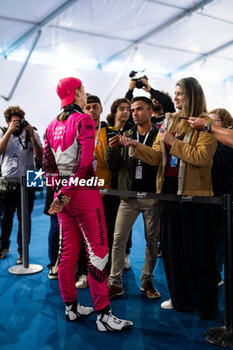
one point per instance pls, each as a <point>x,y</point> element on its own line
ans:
<point>32,311</point>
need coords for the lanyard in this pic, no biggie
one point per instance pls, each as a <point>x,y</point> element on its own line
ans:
<point>139,162</point>
<point>145,139</point>
<point>97,136</point>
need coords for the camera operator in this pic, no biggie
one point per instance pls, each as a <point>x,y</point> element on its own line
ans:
<point>19,146</point>
<point>162,102</point>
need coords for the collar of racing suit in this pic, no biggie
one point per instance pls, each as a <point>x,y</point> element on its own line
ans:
<point>70,109</point>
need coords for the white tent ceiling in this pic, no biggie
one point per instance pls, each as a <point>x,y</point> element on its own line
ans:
<point>168,38</point>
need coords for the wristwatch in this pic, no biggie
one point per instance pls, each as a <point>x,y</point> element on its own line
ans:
<point>207,127</point>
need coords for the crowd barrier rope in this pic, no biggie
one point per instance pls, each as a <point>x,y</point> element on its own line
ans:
<point>221,336</point>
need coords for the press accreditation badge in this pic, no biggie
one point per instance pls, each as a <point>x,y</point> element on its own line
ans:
<point>165,123</point>
<point>138,172</point>
<point>14,161</point>
<point>95,164</point>
<point>174,161</point>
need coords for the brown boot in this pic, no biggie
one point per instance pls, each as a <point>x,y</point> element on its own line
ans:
<point>150,290</point>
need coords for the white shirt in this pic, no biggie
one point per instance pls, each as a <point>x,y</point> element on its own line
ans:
<point>16,160</point>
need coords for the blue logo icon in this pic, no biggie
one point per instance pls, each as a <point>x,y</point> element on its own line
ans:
<point>35,178</point>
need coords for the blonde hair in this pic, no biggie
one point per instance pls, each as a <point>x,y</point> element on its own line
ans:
<point>194,99</point>
<point>224,115</point>
<point>194,105</point>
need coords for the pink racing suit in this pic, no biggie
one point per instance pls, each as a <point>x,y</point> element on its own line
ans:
<point>68,154</point>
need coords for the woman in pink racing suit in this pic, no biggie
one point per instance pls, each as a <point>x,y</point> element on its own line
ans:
<point>67,163</point>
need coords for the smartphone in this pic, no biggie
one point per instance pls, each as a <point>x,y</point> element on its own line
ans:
<point>112,133</point>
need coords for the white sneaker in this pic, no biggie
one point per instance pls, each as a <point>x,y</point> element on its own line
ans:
<point>167,305</point>
<point>82,282</point>
<point>53,273</point>
<point>220,280</point>
<point>76,310</point>
<point>108,322</point>
<point>127,263</point>
<point>220,283</point>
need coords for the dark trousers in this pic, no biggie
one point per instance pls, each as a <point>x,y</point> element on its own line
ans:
<point>111,205</point>
<point>82,261</point>
<point>53,240</point>
<point>218,229</point>
<point>11,203</point>
<point>189,255</point>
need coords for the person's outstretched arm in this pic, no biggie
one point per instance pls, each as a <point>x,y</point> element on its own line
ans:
<point>223,135</point>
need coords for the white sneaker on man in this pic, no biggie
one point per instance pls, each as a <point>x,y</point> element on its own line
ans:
<point>167,305</point>
<point>82,282</point>
<point>108,322</point>
<point>53,273</point>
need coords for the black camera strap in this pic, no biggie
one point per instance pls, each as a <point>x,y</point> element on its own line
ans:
<point>27,139</point>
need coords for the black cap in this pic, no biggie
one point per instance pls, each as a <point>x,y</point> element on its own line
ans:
<point>93,99</point>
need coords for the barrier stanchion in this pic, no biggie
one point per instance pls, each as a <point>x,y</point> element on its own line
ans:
<point>25,268</point>
<point>223,336</point>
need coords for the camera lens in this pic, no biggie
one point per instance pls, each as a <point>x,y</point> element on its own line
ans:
<point>139,84</point>
<point>24,123</point>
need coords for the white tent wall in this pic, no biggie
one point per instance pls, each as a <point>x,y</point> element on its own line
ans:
<point>36,90</point>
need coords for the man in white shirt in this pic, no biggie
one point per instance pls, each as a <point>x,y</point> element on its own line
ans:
<point>19,146</point>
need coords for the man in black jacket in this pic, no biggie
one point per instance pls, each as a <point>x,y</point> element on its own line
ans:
<point>136,176</point>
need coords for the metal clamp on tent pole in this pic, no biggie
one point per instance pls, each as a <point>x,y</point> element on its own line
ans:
<point>223,336</point>
<point>25,268</point>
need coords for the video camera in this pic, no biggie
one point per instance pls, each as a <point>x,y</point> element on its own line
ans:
<point>139,83</point>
